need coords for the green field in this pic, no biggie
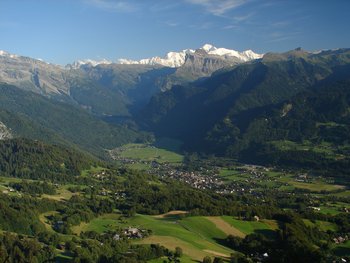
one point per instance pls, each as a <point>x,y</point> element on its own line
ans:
<point>249,227</point>
<point>333,208</point>
<point>345,193</point>
<point>232,175</point>
<point>197,236</point>
<point>100,224</point>
<point>323,148</point>
<point>183,259</point>
<point>321,225</point>
<point>343,249</point>
<point>139,166</point>
<point>145,152</point>
<point>92,170</point>
<point>316,186</point>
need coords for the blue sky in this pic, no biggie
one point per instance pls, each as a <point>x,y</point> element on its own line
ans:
<point>61,31</point>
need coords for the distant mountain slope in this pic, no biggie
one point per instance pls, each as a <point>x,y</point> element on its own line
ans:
<point>33,74</point>
<point>309,130</point>
<point>116,89</point>
<point>214,115</point>
<point>30,115</point>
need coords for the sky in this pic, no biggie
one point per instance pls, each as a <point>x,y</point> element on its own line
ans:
<point>63,31</point>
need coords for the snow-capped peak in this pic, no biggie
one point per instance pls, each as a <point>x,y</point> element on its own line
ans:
<point>171,59</point>
<point>244,56</point>
<point>177,59</point>
<point>94,63</point>
<point>174,59</point>
<point>207,48</point>
<point>6,54</point>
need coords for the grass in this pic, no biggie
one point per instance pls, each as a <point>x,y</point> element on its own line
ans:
<point>231,175</point>
<point>197,236</point>
<point>100,224</point>
<point>202,227</point>
<point>326,149</point>
<point>329,210</point>
<point>249,227</point>
<point>183,259</point>
<point>342,249</point>
<point>333,208</point>
<point>316,186</point>
<point>139,166</point>
<point>6,180</point>
<point>226,227</point>
<point>62,194</point>
<point>63,258</point>
<point>43,219</point>
<point>321,225</point>
<point>92,170</point>
<point>149,153</point>
<point>345,193</point>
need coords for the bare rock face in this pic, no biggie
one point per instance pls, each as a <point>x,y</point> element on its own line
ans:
<point>5,133</point>
<point>32,74</point>
<point>200,64</point>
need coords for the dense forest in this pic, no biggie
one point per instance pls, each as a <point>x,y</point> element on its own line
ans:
<point>36,160</point>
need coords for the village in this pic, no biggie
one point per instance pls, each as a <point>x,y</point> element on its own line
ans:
<point>208,178</point>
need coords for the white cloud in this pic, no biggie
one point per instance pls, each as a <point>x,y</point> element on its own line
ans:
<point>172,24</point>
<point>243,17</point>
<point>112,5</point>
<point>282,36</point>
<point>230,27</point>
<point>218,7</point>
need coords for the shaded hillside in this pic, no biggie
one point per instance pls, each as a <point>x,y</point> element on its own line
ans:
<point>229,111</point>
<point>310,130</point>
<point>39,118</point>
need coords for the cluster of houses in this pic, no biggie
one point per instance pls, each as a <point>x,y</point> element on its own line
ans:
<point>302,178</point>
<point>8,190</point>
<point>195,179</point>
<point>340,239</point>
<point>131,233</point>
<point>100,176</point>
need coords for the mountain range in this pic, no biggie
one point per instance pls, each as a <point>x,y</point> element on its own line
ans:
<point>239,104</point>
<point>117,89</point>
<point>175,59</point>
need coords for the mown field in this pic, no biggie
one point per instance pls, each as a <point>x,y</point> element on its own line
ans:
<point>198,236</point>
<point>146,152</point>
<point>322,225</point>
<point>282,181</point>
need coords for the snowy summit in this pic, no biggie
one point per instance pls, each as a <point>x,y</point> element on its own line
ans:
<point>177,59</point>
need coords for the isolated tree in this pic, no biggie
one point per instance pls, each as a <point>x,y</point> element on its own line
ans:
<point>206,259</point>
<point>178,252</point>
<point>218,260</point>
